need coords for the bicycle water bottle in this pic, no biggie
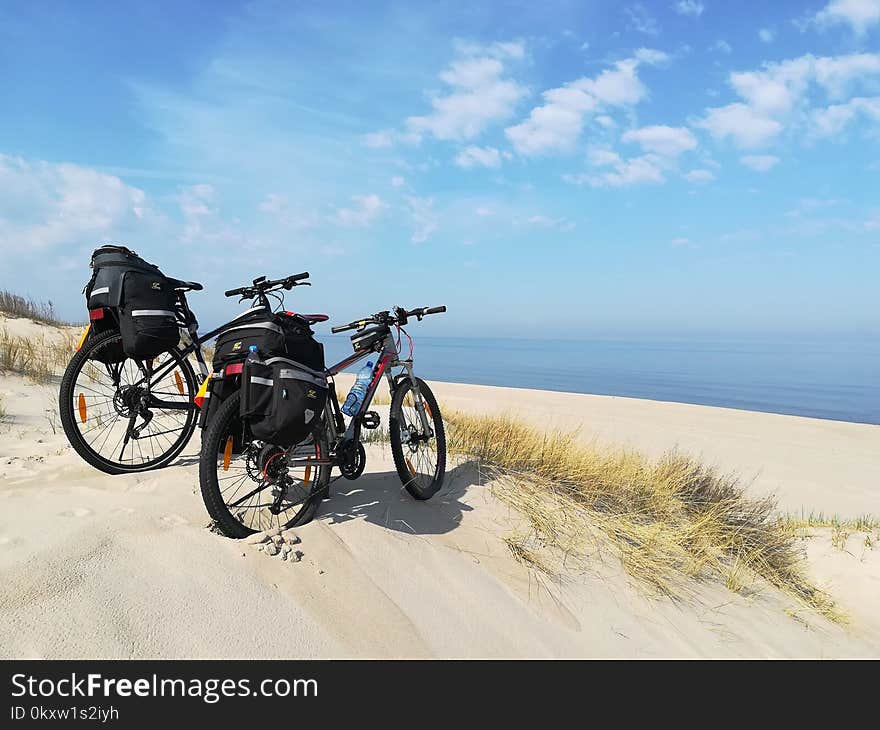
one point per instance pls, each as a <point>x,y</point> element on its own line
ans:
<point>358,390</point>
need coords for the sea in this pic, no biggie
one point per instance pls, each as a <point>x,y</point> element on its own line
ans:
<point>832,377</point>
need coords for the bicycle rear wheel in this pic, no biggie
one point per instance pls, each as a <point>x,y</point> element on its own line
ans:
<point>248,486</point>
<point>104,414</point>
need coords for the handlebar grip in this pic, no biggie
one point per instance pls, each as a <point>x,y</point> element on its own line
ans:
<point>233,292</point>
<point>342,328</point>
<point>435,310</point>
<point>299,277</point>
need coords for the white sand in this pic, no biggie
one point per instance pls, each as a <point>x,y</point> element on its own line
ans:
<point>93,565</point>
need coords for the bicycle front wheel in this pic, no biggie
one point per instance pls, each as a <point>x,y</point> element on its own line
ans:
<point>105,411</point>
<point>419,452</point>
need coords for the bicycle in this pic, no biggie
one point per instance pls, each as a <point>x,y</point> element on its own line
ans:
<point>249,486</point>
<point>122,415</point>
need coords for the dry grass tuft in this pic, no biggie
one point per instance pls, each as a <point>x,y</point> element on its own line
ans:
<point>19,306</point>
<point>670,521</point>
<point>39,359</point>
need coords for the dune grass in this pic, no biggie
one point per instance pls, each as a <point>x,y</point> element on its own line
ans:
<point>670,521</point>
<point>866,527</point>
<point>37,358</point>
<point>19,306</point>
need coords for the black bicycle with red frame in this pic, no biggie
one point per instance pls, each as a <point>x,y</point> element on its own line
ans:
<point>250,486</point>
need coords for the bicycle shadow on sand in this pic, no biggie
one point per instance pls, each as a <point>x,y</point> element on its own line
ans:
<point>380,499</point>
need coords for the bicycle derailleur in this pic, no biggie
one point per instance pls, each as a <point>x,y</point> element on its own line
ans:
<point>268,465</point>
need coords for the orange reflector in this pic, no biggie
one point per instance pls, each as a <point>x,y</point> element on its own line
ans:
<point>412,469</point>
<point>428,410</point>
<point>81,403</point>
<point>179,381</point>
<point>227,453</point>
<point>83,336</point>
<point>308,477</point>
<point>202,394</point>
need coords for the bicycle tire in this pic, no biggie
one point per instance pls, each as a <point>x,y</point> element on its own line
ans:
<point>76,438</point>
<point>402,461</point>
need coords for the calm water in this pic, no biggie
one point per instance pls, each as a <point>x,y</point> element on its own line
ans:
<point>830,378</point>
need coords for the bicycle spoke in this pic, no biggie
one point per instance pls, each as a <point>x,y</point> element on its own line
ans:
<point>104,397</point>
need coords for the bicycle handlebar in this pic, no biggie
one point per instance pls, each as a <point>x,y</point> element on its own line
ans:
<point>399,317</point>
<point>262,285</point>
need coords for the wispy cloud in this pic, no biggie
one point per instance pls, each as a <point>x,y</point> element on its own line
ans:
<point>784,94</point>
<point>692,8</point>
<point>365,211</point>
<point>859,15</point>
<point>44,205</point>
<point>478,157</point>
<point>759,163</point>
<point>557,124</point>
<point>424,218</point>
<point>699,175</point>
<point>479,94</point>
<point>641,20</point>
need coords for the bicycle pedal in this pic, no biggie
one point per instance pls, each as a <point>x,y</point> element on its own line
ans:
<point>370,420</point>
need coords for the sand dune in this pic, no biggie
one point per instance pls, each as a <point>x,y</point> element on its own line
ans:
<point>124,566</point>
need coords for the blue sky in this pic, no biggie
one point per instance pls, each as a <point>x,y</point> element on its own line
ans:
<point>544,169</point>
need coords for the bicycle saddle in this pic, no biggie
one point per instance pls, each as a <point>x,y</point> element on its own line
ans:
<point>310,318</point>
<point>186,285</point>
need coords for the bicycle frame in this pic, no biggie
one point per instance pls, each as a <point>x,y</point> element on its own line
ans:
<point>389,358</point>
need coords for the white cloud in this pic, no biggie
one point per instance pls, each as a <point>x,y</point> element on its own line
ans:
<point>692,8</point>
<point>620,172</point>
<point>831,121</point>
<point>784,93</point>
<point>424,218</point>
<point>397,181</point>
<point>766,35</point>
<point>662,140</point>
<point>699,176</point>
<point>557,124</point>
<point>478,157</point>
<point>500,49</point>
<point>641,20</point>
<point>741,123</point>
<point>45,204</point>
<point>483,212</point>
<point>651,56</point>
<point>859,15</point>
<point>721,46</point>
<point>634,172</point>
<point>365,211</point>
<point>479,94</point>
<point>543,221</point>
<point>759,163</point>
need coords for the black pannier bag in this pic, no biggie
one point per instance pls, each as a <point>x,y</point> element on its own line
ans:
<point>282,400</point>
<point>141,303</point>
<point>147,317</point>
<point>273,334</point>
